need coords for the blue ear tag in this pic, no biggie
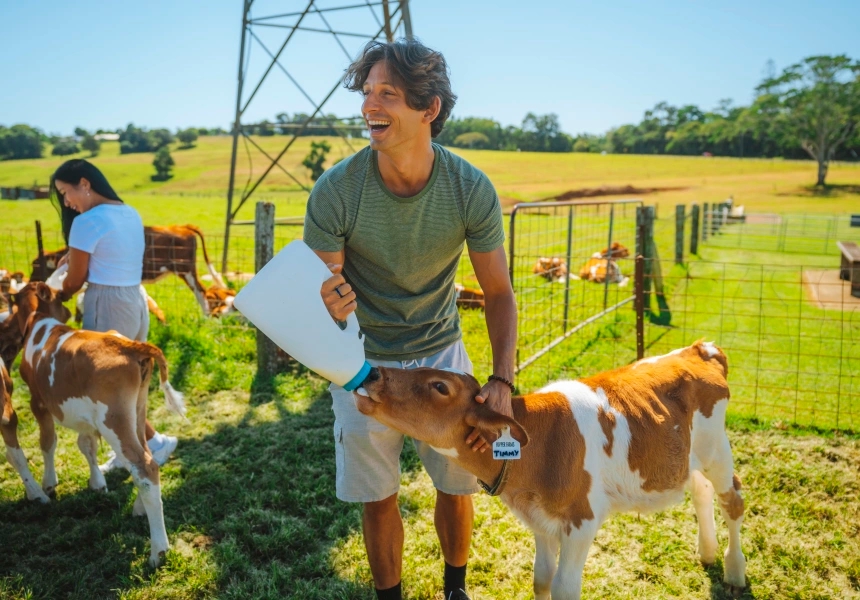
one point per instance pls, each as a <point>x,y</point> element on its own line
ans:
<point>506,447</point>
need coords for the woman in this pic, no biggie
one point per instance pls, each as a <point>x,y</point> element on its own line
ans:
<point>106,244</point>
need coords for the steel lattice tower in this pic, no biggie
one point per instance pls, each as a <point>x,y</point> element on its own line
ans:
<point>390,19</point>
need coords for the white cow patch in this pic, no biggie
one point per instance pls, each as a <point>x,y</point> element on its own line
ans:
<point>452,452</point>
<point>30,349</point>
<point>621,489</point>
<point>711,349</point>
<point>60,343</point>
<point>652,359</point>
<point>83,414</point>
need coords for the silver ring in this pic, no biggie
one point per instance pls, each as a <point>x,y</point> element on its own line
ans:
<point>337,290</point>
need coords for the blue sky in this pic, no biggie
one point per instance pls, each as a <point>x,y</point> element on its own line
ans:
<point>596,64</point>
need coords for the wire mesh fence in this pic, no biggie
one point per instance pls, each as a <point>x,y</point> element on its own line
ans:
<point>791,332</point>
<point>792,233</point>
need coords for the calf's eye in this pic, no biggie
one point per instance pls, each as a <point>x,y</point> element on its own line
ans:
<point>441,387</point>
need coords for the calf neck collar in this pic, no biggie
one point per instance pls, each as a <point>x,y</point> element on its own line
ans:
<point>499,484</point>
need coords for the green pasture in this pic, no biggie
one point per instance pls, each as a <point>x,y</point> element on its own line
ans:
<point>249,495</point>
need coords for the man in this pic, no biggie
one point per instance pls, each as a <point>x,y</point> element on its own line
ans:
<point>391,222</point>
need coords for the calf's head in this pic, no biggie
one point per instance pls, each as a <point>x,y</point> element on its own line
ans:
<point>37,300</point>
<point>432,405</point>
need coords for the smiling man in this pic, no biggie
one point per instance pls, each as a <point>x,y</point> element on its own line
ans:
<point>391,221</point>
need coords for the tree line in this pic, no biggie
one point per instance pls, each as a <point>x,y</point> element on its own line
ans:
<point>810,110</point>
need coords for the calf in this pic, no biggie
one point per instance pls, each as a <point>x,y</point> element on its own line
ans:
<point>469,297</point>
<point>96,384</point>
<point>9,430</point>
<point>632,439</point>
<point>602,265</point>
<point>553,269</point>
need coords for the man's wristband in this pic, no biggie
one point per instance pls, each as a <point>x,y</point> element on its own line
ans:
<point>503,380</point>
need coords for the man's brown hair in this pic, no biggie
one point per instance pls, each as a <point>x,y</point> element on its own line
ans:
<point>420,72</point>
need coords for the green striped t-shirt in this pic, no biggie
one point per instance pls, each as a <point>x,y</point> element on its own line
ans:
<point>401,254</point>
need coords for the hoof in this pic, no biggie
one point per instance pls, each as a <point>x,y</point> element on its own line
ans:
<point>155,560</point>
<point>41,498</point>
<point>735,591</point>
<point>51,491</point>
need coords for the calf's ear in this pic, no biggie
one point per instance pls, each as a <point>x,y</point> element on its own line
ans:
<point>490,424</point>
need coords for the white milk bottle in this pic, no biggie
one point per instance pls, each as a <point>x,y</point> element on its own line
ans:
<point>283,301</point>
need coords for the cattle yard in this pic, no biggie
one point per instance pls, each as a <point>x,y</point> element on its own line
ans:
<point>760,291</point>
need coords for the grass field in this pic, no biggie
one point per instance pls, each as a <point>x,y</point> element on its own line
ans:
<point>249,495</point>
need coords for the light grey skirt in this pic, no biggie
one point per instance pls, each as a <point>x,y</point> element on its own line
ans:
<point>108,307</point>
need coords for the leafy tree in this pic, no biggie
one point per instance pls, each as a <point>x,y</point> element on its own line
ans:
<point>158,138</point>
<point>473,139</point>
<point>65,147</point>
<point>187,137</point>
<point>20,141</point>
<point>81,132</point>
<point>91,144</point>
<point>135,139</point>
<point>819,99</point>
<point>316,157</point>
<point>163,164</point>
<point>542,133</point>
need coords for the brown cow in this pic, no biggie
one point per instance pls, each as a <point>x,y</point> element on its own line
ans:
<point>553,269</point>
<point>632,439</point>
<point>469,297</point>
<point>602,265</point>
<point>170,249</point>
<point>98,385</point>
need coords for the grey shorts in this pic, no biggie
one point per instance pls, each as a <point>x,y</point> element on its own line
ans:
<point>122,309</point>
<point>368,453</point>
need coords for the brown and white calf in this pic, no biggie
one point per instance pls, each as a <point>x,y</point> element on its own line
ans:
<point>632,439</point>
<point>96,384</point>
<point>602,265</point>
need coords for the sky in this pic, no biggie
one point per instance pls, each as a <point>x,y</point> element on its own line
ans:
<point>597,65</point>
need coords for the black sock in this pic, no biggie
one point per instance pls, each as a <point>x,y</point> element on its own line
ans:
<point>392,593</point>
<point>455,579</point>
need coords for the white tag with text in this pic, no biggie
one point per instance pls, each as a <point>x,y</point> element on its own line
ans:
<point>506,447</point>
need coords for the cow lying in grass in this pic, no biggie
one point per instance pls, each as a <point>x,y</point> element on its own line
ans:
<point>98,385</point>
<point>632,439</point>
<point>551,268</point>
<point>602,265</point>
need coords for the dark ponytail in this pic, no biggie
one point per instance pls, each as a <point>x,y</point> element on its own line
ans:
<point>71,172</point>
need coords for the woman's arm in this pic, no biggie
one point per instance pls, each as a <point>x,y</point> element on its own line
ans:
<point>79,264</point>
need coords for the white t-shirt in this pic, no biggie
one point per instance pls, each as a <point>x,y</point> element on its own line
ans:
<point>112,234</point>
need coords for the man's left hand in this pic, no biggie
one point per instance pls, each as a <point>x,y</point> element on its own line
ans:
<point>497,396</point>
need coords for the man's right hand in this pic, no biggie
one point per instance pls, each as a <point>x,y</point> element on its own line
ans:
<point>337,294</point>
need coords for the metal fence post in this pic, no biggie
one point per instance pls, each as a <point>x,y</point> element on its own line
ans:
<point>43,269</point>
<point>609,254</point>
<point>567,278</point>
<point>264,250</point>
<point>705,209</point>
<point>639,306</point>
<point>694,230</point>
<point>680,209</point>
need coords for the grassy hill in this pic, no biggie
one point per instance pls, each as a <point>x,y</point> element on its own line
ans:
<point>197,191</point>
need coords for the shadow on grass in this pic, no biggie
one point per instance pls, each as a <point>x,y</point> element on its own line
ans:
<point>718,591</point>
<point>250,509</point>
<point>826,191</point>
